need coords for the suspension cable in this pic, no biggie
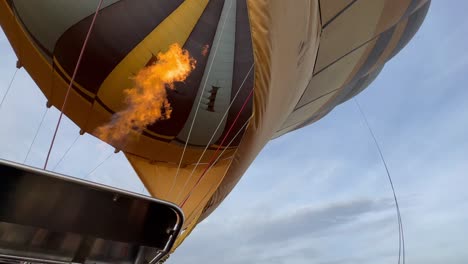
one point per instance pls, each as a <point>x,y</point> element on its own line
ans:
<point>35,135</point>
<point>201,97</point>
<point>220,155</point>
<point>9,87</point>
<point>214,133</point>
<point>99,165</point>
<point>401,242</point>
<point>62,109</point>
<point>222,152</point>
<point>66,153</point>
<point>213,157</point>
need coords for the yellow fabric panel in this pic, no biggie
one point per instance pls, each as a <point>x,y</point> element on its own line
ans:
<point>168,152</point>
<point>188,230</point>
<point>158,135</point>
<point>31,58</point>
<point>348,31</point>
<point>329,8</point>
<point>193,218</point>
<point>99,116</point>
<point>159,178</point>
<point>175,28</point>
<point>75,101</point>
<point>208,184</point>
<point>39,68</point>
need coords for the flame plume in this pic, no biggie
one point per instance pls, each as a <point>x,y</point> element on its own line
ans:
<point>147,100</point>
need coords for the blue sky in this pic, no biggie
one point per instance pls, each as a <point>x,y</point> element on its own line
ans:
<point>320,194</point>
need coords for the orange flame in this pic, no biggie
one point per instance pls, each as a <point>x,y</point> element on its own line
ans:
<point>147,100</point>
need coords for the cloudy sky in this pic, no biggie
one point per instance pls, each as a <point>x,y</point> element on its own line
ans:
<point>318,195</point>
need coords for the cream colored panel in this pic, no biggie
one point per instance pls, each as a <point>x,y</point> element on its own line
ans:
<point>300,115</point>
<point>333,77</point>
<point>348,31</point>
<point>329,8</point>
<point>47,20</point>
<point>218,72</point>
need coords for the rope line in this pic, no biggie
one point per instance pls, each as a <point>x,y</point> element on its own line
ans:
<point>9,87</point>
<point>227,168</point>
<point>66,153</point>
<point>213,157</point>
<point>401,242</point>
<point>99,165</point>
<point>35,135</point>
<point>72,80</point>
<point>214,133</point>
<point>199,100</point>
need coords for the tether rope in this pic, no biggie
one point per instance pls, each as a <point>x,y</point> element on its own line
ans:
<point>215,131</point>
<point>213,157</point>
<point>66,152</point>
<point>220,155</point>
<point>9,87</point>
<point>72,80</point>
<point>99,165</point>
<point>199,100</point>
<point>35,135</point>
<point>401,241</point>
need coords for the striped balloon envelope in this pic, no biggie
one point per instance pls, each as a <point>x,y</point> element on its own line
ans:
<point>257,69</point>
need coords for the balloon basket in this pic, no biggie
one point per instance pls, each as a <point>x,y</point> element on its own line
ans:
<point>52,218</point>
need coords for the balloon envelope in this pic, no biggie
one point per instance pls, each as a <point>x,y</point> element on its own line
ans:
<point>300,60</point>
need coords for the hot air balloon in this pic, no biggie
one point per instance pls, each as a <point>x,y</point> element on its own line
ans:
<point>258,69</point>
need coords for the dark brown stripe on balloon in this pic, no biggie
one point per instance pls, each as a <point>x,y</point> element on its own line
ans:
<point>118,29</point>
<point>183,97</point>
<point>79,91</point>
<point>144,133</point>
<point>103,105</point>
<point>243,61</point>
